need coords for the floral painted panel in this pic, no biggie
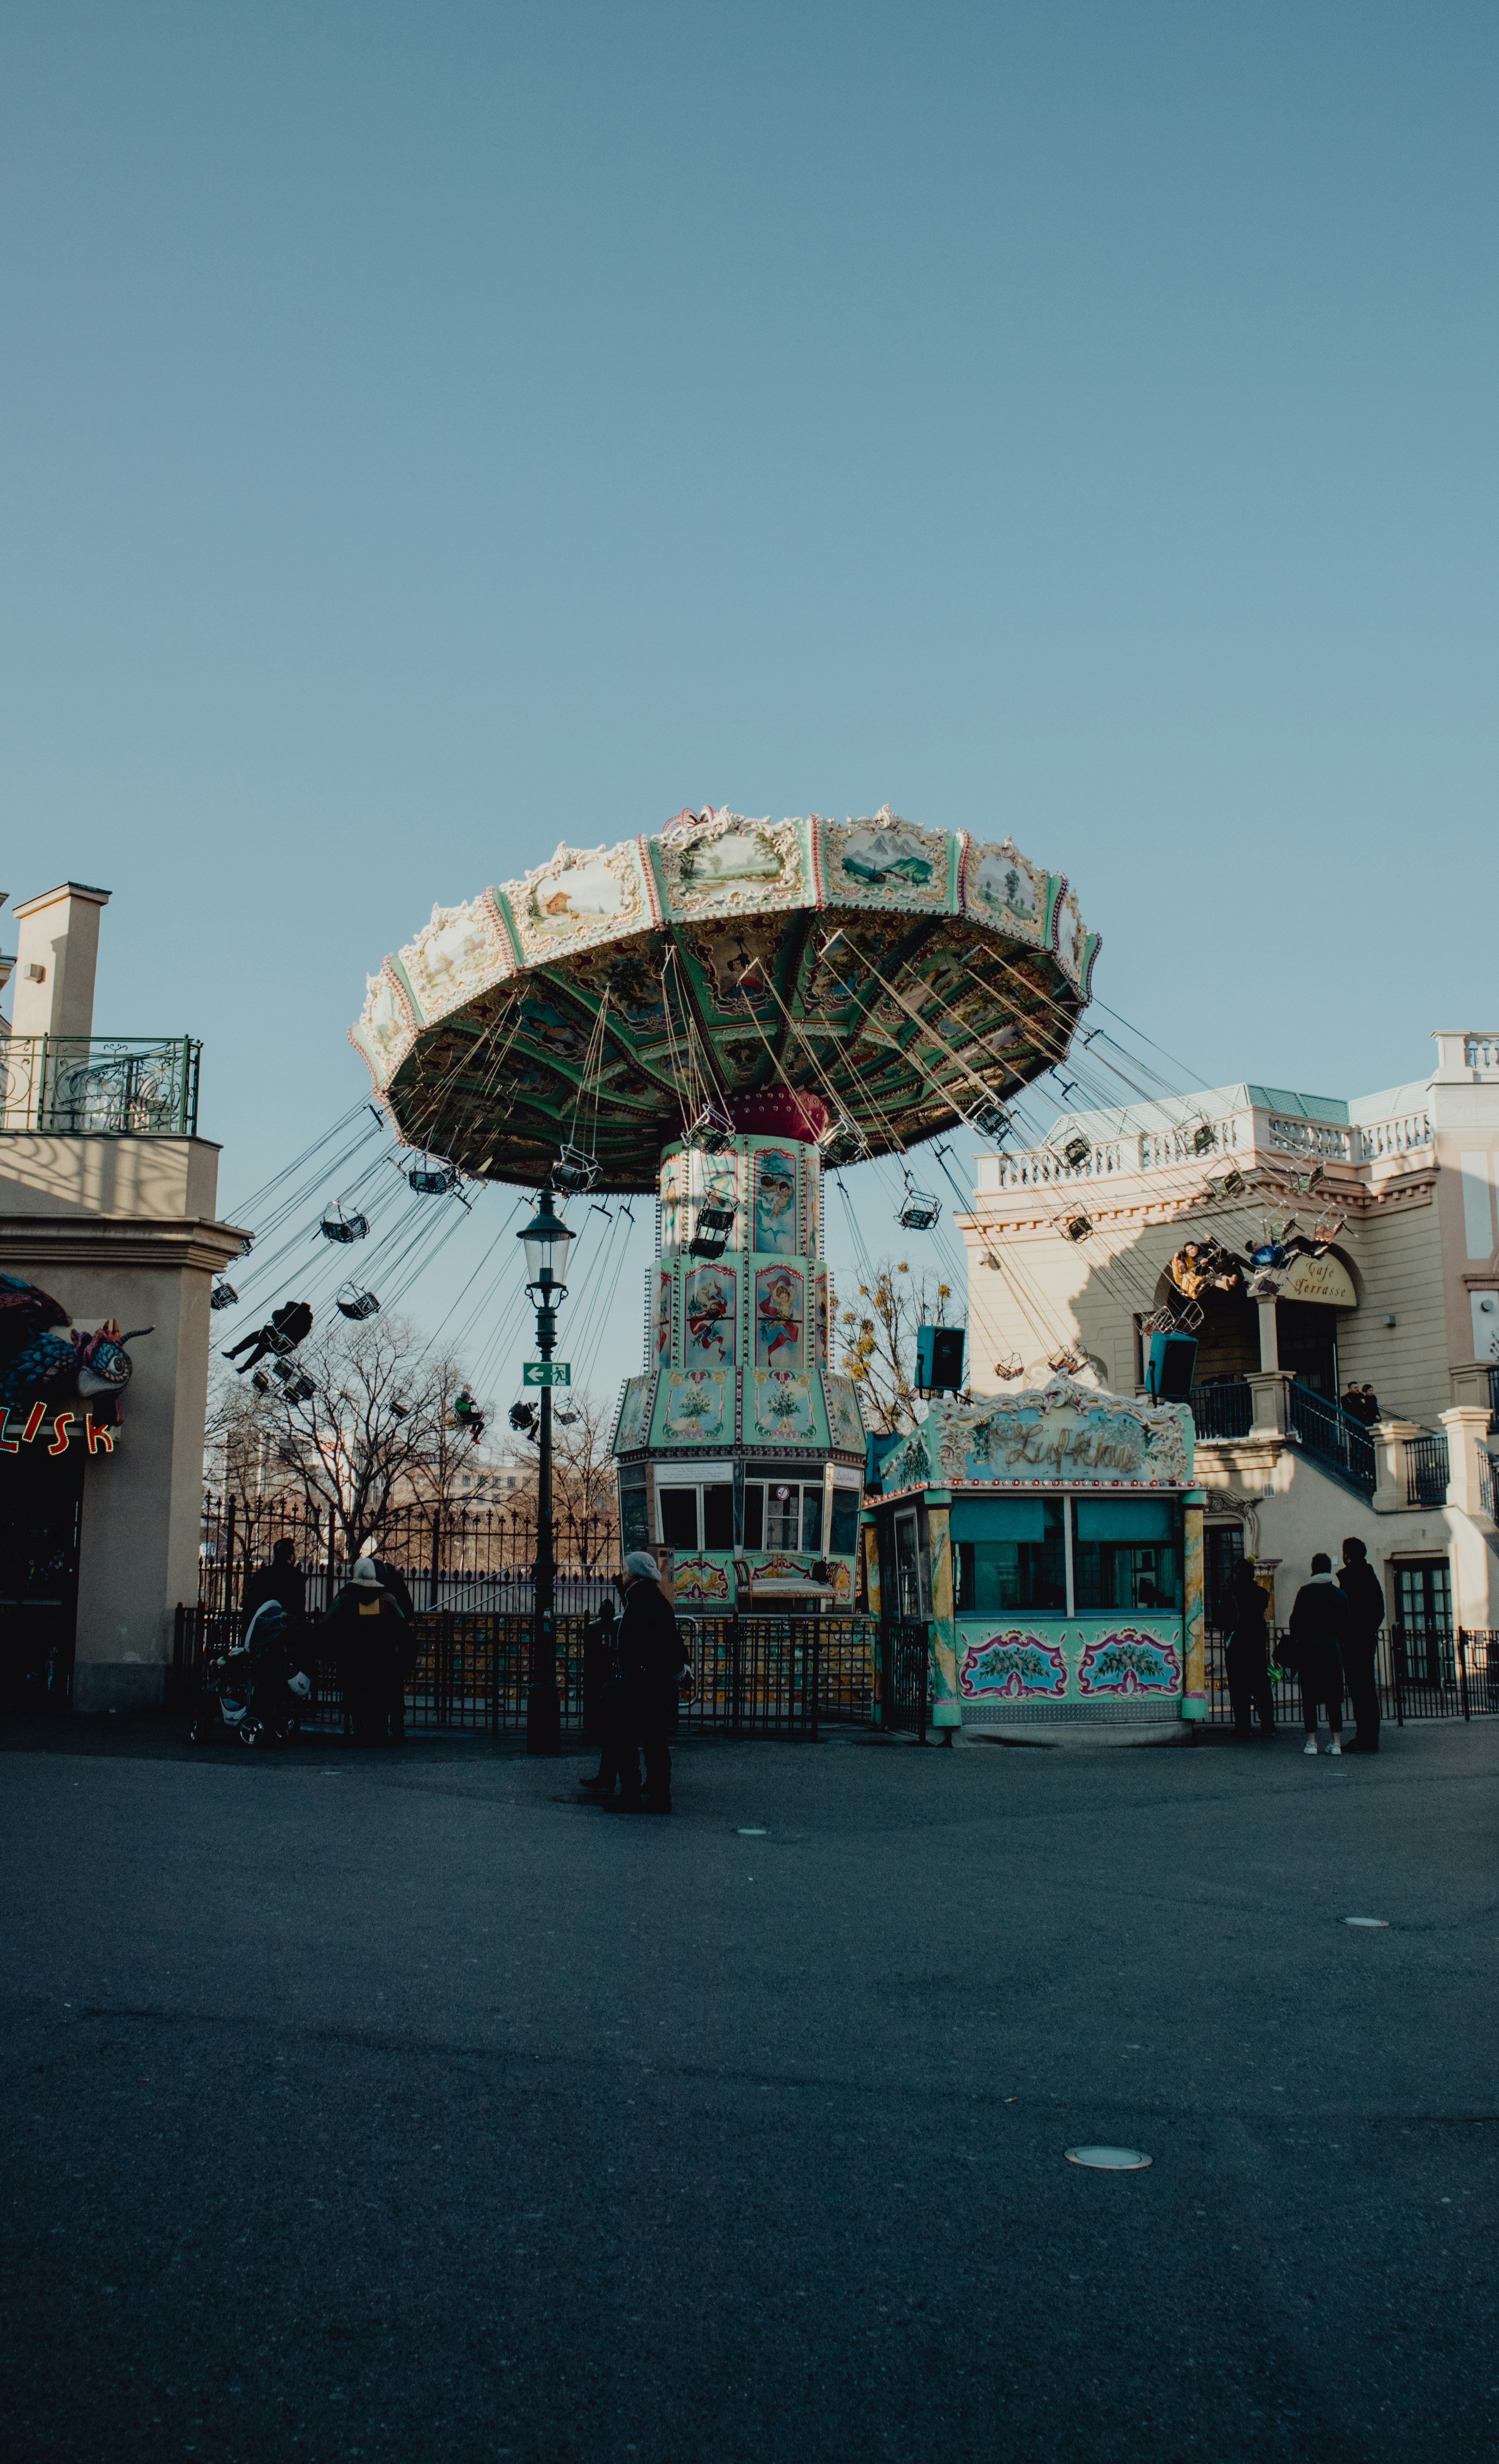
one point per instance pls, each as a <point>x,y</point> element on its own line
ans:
<point>783,1407</point>
<point>634,1412</point>
<point>698,1581</point>
<point>845,1427</point>
<point>460,953</point>
<point>779,1319</point>
<point>775,1201</point>
<point>1129,1662</point>
<point>1013,1665</point>
<point>698,1407</point>
<point>711,1295</point>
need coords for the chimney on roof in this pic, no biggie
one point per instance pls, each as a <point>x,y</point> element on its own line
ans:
<point>55,953</point>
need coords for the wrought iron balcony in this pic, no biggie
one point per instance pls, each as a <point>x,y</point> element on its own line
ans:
<point>121,1085</point>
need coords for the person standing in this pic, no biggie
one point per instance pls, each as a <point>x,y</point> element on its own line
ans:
<point>278,1581</point>
<point>1320,1629</point>
<point>372,1647</point>
<point>1246,1653</point>
<point>606,1711</point>
<point>1361,1589</point>
<point>651,1667</point>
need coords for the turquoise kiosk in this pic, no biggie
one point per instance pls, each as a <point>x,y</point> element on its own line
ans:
<point>1050,1542</point>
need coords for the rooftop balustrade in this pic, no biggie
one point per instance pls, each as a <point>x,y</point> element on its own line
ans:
<point>102,1085</point>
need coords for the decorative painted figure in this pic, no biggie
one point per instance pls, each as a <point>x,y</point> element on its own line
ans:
<point>710,1301</point>
<point>775,1202</point>
<point>778,1318</point>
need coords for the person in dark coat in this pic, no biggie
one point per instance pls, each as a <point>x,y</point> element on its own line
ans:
<point>393,1582</point>
<point>278,1581</point>
<point>652,1663</point>
<point>290,1325</point>
<point>374,1649</point>
<point>1246,1653</point>
<point>1319,1630</point>
<point>1361,1589</point>
<point>606,1709</point>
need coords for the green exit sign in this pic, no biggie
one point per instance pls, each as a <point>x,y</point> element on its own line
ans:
<point>547,1373</point>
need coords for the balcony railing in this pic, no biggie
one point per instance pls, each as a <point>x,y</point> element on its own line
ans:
<point>1222,1411</point>
<point>1427,1470</point>
<point>1327,1433</point>
<point>121,1085</point>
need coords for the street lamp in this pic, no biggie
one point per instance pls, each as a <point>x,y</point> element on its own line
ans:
<point>547,1242</point>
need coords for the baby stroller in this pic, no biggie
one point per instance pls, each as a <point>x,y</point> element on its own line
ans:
<point>257,1692</point>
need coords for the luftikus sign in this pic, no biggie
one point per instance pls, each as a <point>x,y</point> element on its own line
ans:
<point>60,1384</point>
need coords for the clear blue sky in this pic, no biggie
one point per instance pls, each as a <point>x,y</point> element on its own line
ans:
<point>433,431</point>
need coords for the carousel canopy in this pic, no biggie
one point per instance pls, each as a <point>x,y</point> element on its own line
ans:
<point>903,978</point>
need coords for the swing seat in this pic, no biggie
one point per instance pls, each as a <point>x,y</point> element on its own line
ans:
<point>918,1211</point>
<point>575,1170</point>
<point>434,1177</point>
<point>339,1225</point>
<point>711,1230</point>
<point>223,1295</point>
<point>1078,1227</point>
<point>711,1132</point>
<point>991,1118</point>
<point>1077,1151</point>
<point>843,1141</point>
<point>354,1303</point>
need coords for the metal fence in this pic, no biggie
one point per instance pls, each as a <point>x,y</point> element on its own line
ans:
<point>127,1086</point>
<point>781,1677</point>
<point>464,1559</point>
<point>905,1677</point>
<point>1424,1673</point>
<point>1222,1411</point>
<point>1427,1470</point>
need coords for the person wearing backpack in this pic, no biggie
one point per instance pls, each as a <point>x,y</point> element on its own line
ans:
<point>375,1651</point>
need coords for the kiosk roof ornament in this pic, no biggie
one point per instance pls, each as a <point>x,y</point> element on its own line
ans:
<point>905,976</point>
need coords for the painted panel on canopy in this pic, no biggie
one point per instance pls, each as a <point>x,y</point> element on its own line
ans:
<point>844,1424</point>
<point>887,862</point>
<point>459,954</point>
<point>724,865</point>
<point>1003,889</point>
<point>579,898</point>
<point>780,1317</point>
<point>662,1294</point>
<point>386,1026</point>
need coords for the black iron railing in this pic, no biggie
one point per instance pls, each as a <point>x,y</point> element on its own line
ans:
<point>1222,1411</point>
<point>773,1677</point>
<point>461,1558</point>
<point>1423,1672</point>
<point>1343,1445</point>
<point>125,1085</point>
<point>905,1676</point>
<point>1426,1471</point>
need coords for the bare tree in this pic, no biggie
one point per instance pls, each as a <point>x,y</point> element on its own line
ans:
<point>879,1340</point>
<point>371,1431</point>
<point>583,1477</point>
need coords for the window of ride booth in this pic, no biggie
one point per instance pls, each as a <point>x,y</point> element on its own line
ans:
<point>1011,1553</point>
<point>1126,1554</point>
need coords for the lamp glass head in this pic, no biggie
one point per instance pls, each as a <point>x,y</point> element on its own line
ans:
<point>547,1242</point>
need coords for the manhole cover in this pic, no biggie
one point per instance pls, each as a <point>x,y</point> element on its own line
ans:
<point>1110,2160</point>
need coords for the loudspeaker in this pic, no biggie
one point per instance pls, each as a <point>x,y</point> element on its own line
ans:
<point>939,1359</point>
<point>1170,1367</point>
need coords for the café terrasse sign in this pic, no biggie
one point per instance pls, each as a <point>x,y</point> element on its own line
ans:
<point>1324,1279</point>
<point>59,1427</point>
<point>1061,1432</point>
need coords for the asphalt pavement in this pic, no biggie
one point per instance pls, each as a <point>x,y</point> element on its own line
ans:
<point>402,2106</point>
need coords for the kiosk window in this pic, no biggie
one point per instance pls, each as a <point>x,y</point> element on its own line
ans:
<point>842,1536</point>
<point>687,1525</point>
<point>1011,1553</point>
<point>782,1514</point>
<point>678,1510</point>
<point>1127,1553</point>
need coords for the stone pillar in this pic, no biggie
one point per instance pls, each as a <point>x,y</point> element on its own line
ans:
<point>1194,1617</point>
<point>1389,1463</point>
<point>946,1711</point>
<point>1467,1426</point>
<point>1268,1407</point>
<point>1472,1383</point>
<point>1270,1339</point>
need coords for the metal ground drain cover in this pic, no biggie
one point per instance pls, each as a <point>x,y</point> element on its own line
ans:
<point>1110,2159</point>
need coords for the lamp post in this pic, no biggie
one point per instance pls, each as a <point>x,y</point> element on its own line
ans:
<point>547,1242</point>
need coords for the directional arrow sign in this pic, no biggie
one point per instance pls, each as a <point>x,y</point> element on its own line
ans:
<point>547,1373</point>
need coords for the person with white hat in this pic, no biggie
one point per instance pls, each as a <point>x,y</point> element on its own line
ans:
<point>651,1664</point>
<point>375,1651</point>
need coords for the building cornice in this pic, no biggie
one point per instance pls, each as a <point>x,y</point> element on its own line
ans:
<point>186,1242</point>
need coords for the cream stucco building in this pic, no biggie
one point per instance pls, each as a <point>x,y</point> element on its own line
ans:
<point>1069,1247</point>
<point>107,1204</point>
